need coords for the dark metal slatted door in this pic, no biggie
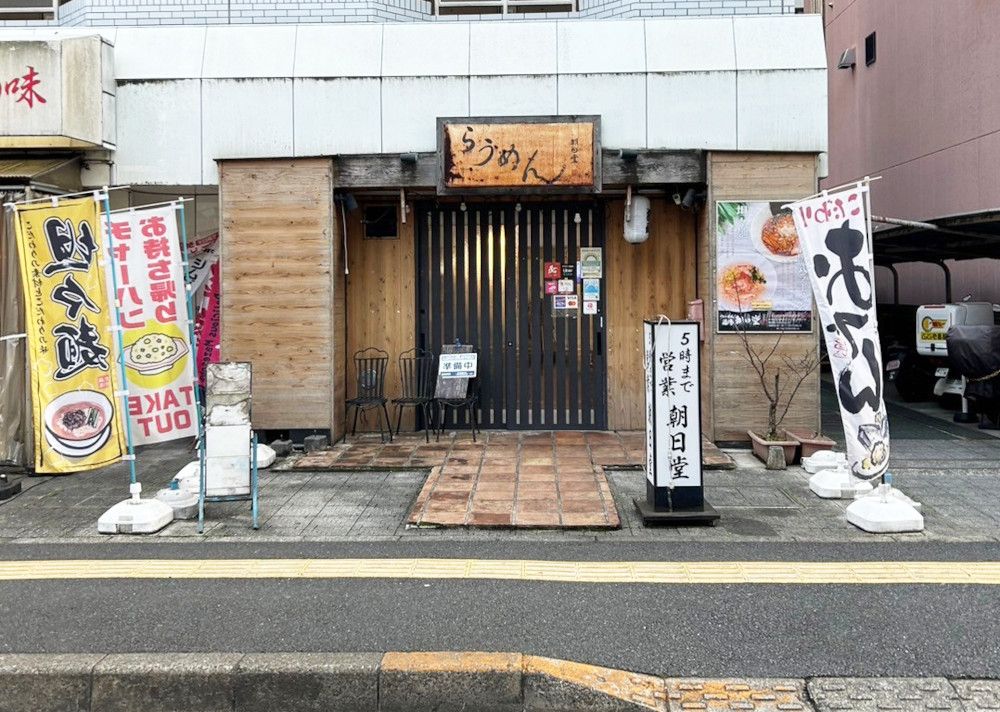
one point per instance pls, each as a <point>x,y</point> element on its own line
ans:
<point>480,277</point>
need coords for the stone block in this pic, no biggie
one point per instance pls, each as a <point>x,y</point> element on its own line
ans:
<point>281,447</point>
<point>450,682</point>
<point>552,685</point>
<point>46,683</point>
<point>775,458</point>
<point>312,443</point>
<point>165,682</point>
<point>308,682</point>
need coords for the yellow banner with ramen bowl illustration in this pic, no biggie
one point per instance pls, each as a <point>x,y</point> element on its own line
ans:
<point>72,348</point>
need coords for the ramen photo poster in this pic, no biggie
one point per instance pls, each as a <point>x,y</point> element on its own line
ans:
<point>761,280</point>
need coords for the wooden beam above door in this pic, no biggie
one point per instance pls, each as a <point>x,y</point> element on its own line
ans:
<point>642,167</point>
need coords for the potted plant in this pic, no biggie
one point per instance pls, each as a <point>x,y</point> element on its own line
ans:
<point>780,377</point>
<point>810,442</point>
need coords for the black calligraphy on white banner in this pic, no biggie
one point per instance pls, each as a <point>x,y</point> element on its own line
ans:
<point>673,407</point>
<point>834,233</point>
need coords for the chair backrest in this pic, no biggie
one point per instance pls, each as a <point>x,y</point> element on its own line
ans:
<point>370,365</point>
<point>416,373</point>
<point>450,386</point>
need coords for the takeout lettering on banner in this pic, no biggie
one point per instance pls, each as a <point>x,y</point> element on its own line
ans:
<point>835,236</point>
<point>71,344</point>
<point>151,295</point>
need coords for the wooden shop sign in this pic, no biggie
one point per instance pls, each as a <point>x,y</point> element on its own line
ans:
<point>519,155</point>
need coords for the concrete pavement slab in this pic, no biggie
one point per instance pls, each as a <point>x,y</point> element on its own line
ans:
<point>46,683</point>
<point>869,694</point>
<point>307,682</point>
<point>165,682</point>
<point>978,695</point>
<point>753,695</point>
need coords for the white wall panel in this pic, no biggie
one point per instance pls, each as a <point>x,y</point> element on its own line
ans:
<point>690,45</point>
<point>780,43</point>
<point>513,96</point>
<point>782,110</point>
<point>620,99</point>
<point>245,119</point>
<point>692,110</point>
<point>338,50</point>
<point>425,49</point>
<point>531,49</point>
<point>604,46</point>
<point>240,51</point>
<point>337,116</point>
<point>160,53</point>
<point>410,108</point>
<point>159,133</point>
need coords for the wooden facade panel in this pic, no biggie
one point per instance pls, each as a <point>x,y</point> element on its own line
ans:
<point>642,281</point>
<point>276,229</point>
<point>381,302</point>
<point>737,401</point>
<point>338,367</point>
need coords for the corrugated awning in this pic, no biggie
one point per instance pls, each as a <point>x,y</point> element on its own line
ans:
<point>16,171</point>
<point>956,237</point>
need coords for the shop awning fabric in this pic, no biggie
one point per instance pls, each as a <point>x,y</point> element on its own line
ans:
<point>25,171</point>
<point>957,237</point>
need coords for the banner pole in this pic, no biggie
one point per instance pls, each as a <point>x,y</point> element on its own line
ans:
<point>189,298</point>
<point>119,337</point>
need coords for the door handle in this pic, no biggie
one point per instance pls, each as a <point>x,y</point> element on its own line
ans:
<point>510,344</point>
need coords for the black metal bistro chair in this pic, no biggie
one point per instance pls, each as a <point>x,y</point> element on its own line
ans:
<point>417,379</point>
<point>457,394</point>
<point>370,365</point>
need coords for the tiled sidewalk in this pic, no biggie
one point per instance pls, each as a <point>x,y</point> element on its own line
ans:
<point>507,479</point>
<point>619,449</point>
<point>522,480</point>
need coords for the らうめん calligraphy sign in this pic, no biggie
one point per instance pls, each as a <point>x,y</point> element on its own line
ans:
<point>836,241</point>
<point>522,154</point>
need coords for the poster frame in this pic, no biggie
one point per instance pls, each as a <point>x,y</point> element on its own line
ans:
<point>813,315</point>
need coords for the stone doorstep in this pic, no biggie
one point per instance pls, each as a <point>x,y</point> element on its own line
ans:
<point>393,682</point>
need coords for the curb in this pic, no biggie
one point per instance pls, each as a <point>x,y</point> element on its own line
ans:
<point>332,682</point>
<point>438,682</point>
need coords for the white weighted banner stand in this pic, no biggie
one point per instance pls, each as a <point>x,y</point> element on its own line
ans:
<point>675,492</point>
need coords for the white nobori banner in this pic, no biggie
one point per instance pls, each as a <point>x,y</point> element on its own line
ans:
<point>152,301</point>
<point>835,235</point>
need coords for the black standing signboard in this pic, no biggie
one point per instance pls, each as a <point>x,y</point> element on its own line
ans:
<point>675,491</point>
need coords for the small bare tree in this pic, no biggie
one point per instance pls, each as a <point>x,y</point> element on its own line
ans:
<point>780,381</point>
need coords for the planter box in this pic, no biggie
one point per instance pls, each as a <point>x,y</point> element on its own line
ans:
<point>810,442</point>
<point>760,447</point>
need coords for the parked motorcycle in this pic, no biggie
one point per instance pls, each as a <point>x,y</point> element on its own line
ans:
<point>974,356</point>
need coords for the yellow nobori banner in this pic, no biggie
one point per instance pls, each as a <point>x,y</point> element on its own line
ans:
<point>73,350</point>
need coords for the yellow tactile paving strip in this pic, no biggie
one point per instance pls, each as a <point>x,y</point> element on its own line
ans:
<point>636,572</point>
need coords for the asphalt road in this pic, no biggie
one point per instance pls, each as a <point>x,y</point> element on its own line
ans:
<point>682,630</point>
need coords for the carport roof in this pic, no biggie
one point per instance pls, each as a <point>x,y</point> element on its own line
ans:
<point>956,237</point>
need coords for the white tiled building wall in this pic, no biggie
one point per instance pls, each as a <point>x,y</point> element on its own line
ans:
<point>99,13</point>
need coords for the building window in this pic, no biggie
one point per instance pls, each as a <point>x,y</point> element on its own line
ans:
<point>870,50</point>
<point>381,222</point>
<point>501,7</point>
<point>29,9</point>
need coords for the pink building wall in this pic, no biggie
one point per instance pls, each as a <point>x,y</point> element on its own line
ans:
<point>925,116</point>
